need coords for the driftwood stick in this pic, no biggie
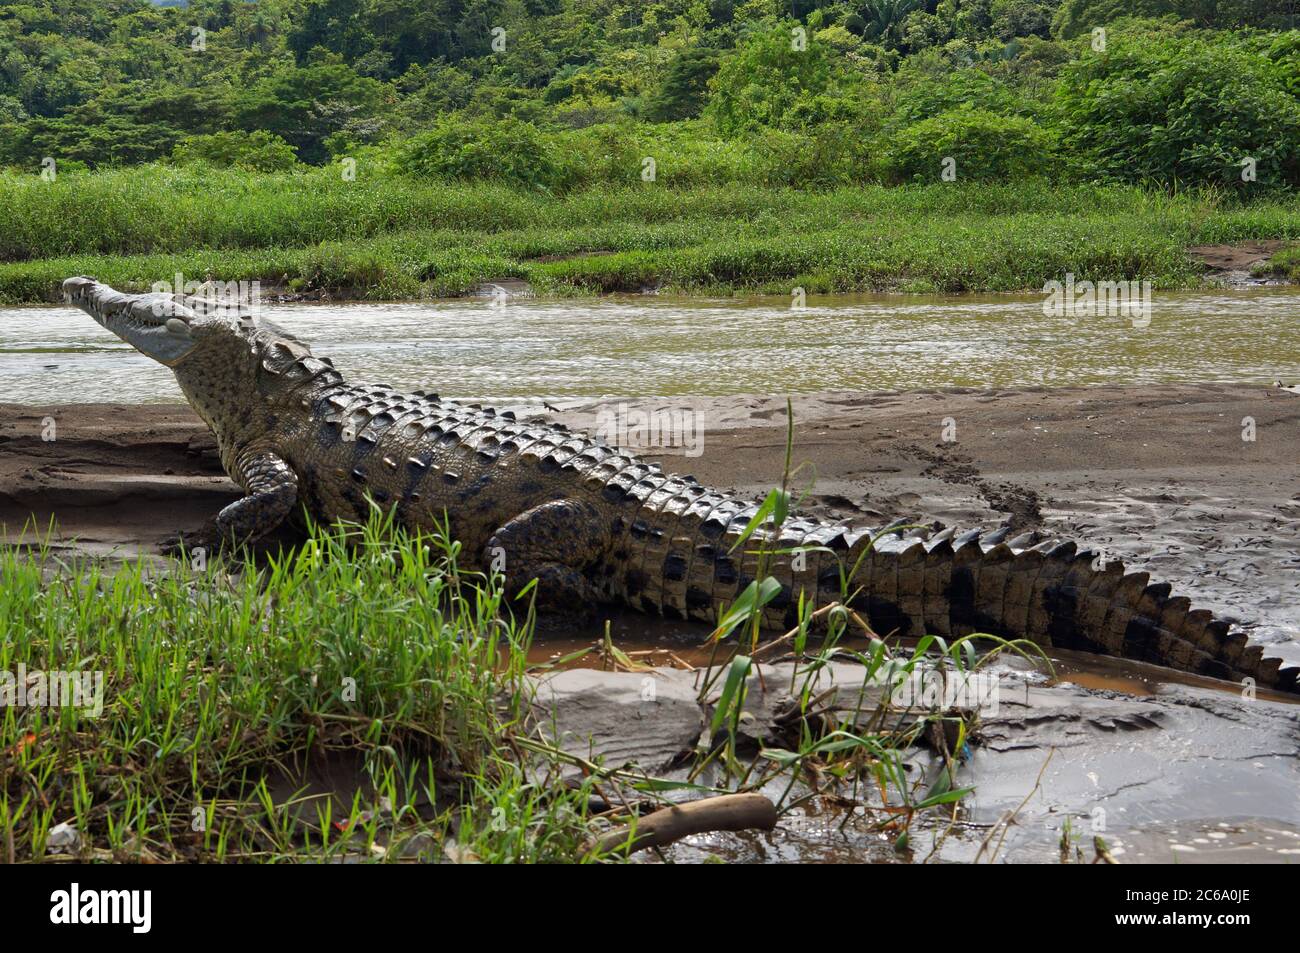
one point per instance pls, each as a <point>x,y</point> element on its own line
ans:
<point>727,812</point>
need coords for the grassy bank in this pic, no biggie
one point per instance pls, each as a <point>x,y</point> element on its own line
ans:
<point>362,699</point>
<point>377,663</point>
<point>1284,264</point>
<point>391,237</point>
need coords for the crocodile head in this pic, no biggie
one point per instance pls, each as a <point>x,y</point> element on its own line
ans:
<point>171,329</point>
<point>220,358</point>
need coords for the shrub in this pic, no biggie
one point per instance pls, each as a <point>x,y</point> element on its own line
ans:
<point>689,154</point>
<point>831,155</point>
<point>1075,17</point>
<point>684,154</point>
<point>602,153</point>
<point>509,151</point>
<point>1155,108</point>
<point>926,94</point>
<point>985,146</point>
<point>258,151</point>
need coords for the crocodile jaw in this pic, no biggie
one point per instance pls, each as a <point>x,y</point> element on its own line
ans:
<point>156,325</point>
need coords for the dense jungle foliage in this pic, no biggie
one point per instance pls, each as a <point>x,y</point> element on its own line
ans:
<point>559,94</point>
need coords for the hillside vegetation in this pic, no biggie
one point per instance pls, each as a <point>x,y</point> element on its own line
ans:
<point>394,148</point>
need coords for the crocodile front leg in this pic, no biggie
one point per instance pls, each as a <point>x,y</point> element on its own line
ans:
<point>552,543</point>
<point>272,491</point>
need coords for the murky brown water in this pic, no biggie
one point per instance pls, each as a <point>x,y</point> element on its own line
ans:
<point>653,641</point>
<point>633,346</point>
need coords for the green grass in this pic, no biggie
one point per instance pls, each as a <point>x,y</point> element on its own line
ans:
<point>373,651</point>
<point>1283,264</point>
<point>384,237</point>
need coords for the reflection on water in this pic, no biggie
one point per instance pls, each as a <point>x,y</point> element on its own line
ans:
<point>634,346</point>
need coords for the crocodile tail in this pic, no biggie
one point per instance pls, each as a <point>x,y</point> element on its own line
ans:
<point>916,582</point>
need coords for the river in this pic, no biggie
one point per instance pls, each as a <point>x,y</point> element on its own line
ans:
<point>647,345</point>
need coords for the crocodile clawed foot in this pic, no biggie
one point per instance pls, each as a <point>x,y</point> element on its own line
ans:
<point>205,541</point>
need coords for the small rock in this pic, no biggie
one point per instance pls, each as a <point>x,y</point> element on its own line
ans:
<point>421,845</point>
<point>63,839</point>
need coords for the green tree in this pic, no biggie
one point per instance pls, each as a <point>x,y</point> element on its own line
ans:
<point>779,77</point>
<point>125,124</point>
<point>885,19</point>
<point>1016,18</point>
<point>258,151</point>
<point>332,24</point>
<point>684,89</point>
<point>306,105</point>
<point>1076,17</point>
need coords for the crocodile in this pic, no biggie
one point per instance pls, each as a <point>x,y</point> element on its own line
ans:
<point>593,524</point>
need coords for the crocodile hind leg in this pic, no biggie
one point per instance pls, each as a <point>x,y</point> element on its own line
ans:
<point>553,543</point>
<point>272,488</point>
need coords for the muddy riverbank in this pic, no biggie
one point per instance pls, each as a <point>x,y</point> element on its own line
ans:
<point>1187,775</point>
